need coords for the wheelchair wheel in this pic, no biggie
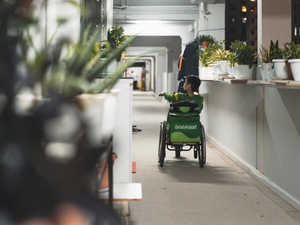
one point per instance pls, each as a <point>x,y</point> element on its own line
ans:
<point>203,144</point>
<point>177,152</point>
<point>200,155</point>
<point>162,144</point>
<point>195,152</point>
<point>202,148</point>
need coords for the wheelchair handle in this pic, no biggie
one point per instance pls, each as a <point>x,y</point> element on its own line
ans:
<point>162,94</point>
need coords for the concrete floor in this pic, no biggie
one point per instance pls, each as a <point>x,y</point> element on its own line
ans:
<point>182,193</point>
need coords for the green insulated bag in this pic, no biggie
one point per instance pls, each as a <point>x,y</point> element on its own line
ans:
<point>184,127</point>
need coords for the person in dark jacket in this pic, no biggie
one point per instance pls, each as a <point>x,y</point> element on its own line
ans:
<point>188,64</point>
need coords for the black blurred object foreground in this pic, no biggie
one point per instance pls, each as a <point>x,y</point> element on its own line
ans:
<point>36,188</point>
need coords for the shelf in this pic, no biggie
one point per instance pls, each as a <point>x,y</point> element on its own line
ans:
<point>285,84</point>
<point>228,80</point>
<point>124,192</point>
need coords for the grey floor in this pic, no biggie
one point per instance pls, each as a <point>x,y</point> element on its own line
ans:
<point>182,193</point>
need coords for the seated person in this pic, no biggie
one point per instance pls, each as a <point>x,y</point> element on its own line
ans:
<point>190,88</point>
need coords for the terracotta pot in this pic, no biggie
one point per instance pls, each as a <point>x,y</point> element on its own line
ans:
<point>204,44</point>
<point>289,70</point>
<point>105,182</point>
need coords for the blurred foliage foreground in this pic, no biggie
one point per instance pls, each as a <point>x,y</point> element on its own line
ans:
<point>35,187</point>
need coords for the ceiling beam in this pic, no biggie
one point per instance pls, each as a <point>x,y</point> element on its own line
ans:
<point>170,13</point>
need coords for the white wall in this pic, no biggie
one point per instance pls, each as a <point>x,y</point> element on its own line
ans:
<point>60,9</point>
<point>214,23</point>
<point>161,69</point>
<point>275,15</point>
<point>109,13</point>
<point>259,128</point>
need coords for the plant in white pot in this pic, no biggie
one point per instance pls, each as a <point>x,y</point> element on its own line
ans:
<point>115,39</point>
<point>205,56</point>
<point>292,53</point>
<point>272,57</point>
<point>221,57</point>
<point>243,60</point>
<point>26,138</point>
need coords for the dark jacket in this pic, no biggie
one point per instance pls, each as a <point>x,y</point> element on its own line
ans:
<point>190,62</point>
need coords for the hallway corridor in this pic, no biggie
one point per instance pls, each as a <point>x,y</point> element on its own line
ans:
<point>182,193</point>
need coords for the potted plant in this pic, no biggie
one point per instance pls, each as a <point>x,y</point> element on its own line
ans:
<point>271,57</point>
<point>206,59</point>
<point>69,174</point>
<point>243,60</point>
<point>204,40</point>
<point>115,39</point>
<point>221,57</point>
<point>292,53</point>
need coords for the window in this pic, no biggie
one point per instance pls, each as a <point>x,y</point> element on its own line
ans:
<point>232,30</point>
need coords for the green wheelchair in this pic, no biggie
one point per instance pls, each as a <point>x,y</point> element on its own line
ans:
<point>182,131</point>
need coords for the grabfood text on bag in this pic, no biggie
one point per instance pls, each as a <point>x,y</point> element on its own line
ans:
<point>185,127</point>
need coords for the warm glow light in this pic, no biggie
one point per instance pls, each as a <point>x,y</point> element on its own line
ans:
<point>252,0</point>
<point>244,9</point>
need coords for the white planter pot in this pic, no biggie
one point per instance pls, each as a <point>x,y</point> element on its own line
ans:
<point>216,68</point>
<point>243,72</point>
<point>267,71</point>
<point>92,106</point>
<point>215,76</point>
<point>295,67</point>
<point>210,71</point>
<point>230,70</point>
<point>204,72</point>
<point>109,114</point>
<point>223,67</point>
<point>280,68</point>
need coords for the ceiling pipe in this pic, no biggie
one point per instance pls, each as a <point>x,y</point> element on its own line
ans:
<point>204,8</point>
<point>123,6</point>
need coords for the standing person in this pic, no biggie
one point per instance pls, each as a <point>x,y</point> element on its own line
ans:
<point>190,88</point>
<point>134,75</point>
<point>189,63</point>
<point>143,76</point>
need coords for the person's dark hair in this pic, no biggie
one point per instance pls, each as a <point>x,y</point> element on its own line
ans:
<point>194,81</point>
